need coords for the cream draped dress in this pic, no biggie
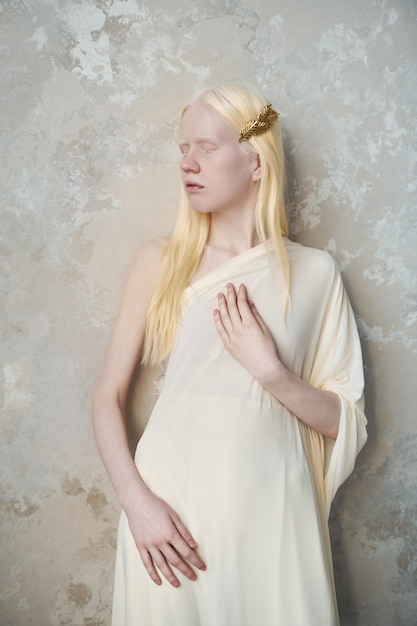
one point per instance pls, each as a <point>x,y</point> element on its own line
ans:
<point>248,479</point>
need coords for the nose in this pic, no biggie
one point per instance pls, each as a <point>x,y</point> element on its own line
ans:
<point>189,163</point>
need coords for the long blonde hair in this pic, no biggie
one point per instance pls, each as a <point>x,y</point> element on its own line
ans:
<point>181,258</point>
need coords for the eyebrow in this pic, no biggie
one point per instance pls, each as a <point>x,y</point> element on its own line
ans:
<point>198,140</point>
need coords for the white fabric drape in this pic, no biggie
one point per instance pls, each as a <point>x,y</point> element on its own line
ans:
<point>252,484</point>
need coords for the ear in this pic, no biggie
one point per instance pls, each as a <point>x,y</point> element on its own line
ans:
<point>257,170</point>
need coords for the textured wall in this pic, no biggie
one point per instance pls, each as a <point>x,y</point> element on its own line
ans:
<point>90,94</point>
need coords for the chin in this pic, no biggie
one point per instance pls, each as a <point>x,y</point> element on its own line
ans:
<point>198,209</point>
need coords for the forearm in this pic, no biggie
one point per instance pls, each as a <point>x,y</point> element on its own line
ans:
<point>318,408</point>
<point>112,443</point>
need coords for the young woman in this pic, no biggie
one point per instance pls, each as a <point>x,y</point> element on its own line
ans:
<point>260,416</point>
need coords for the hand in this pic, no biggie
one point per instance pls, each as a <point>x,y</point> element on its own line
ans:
<point>163,541</point>
<point>250,342</point>
<point>245,334</point>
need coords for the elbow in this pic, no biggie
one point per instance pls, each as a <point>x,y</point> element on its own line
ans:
<point>334,431</point>
<point>105,402</point>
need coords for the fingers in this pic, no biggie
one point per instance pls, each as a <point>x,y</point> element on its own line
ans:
<point>218,321</point>
<point>187,554</point>
<point>149,566</point>
<point>185,533</point>
<point>171,556</point>
<point>175,550</point>
<point>248,310</point>
<point>228,309</point>
<point>186,545</point>
<point>231,302</point>
<point>257,316</point>
<point>243,303</point>
<point>167,559</point>
<point>234,308</point>
<point>163,559</point>
<point>245,335</point>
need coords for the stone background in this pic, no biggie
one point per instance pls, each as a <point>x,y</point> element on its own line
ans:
<point>90,93</point>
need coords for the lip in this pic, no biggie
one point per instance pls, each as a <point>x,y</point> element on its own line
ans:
<point>192,186</point>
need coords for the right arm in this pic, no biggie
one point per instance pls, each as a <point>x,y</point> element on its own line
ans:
<point>161,538</point>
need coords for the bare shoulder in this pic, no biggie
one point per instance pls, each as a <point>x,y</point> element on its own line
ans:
<point>151,250</point>
<point>147,260</point>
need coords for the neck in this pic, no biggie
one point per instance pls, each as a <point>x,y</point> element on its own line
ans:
<point>232,233</point>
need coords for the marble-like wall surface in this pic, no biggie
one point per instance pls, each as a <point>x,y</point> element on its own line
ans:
<point>90,93</point>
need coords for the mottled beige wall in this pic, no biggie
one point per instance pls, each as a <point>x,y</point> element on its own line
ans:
<point>89,97</point>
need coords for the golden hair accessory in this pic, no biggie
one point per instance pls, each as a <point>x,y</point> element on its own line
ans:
<point>267,116</point>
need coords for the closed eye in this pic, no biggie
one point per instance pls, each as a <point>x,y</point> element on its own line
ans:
<point>203,147</point>
<point>207,147</point>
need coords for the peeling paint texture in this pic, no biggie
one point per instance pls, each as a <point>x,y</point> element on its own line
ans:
<point>90,94</point>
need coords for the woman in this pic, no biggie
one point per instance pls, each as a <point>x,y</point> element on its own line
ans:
<point>260,417</point>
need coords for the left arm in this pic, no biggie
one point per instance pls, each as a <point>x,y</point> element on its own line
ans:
<point>249,341</point>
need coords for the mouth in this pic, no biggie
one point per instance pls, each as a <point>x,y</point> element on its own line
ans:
<point>192,186</point>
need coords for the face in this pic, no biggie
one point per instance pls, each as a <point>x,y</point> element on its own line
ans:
<point>218,172</point>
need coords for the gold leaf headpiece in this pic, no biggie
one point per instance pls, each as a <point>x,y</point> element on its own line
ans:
<point>266,117</point>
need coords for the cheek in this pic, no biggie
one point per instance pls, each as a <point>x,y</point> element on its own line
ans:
<point>237,166</point>
<point>242,174</point>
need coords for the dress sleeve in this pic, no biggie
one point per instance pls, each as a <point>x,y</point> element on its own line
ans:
<point>338,367</point>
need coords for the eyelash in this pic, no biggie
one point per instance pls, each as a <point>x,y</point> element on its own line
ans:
<point>203,148</point>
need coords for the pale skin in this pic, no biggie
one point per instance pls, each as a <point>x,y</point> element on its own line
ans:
<point>221,177</point>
